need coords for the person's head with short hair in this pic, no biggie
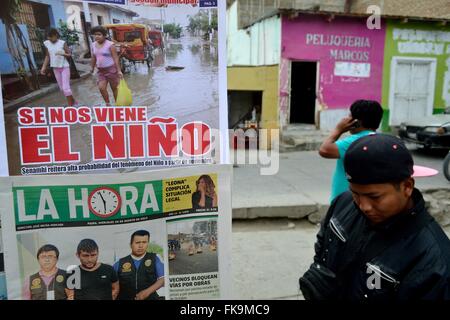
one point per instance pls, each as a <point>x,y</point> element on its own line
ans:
<point>87,252</point>
<point>99,33</point>
<point>53,34</point>
<point>47,257</point>
<point>368,112</point>
<point>380,170</point>
<point>139,242</point>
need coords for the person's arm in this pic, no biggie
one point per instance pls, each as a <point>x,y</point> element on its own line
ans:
<point>116,59</point>
<point>70,293</point>
<point>318,246</point>
<point>26,289</point>
<point>214,197</point>
<point>67,52</point>
<point>329,149</point>
<point>93,59</point>
<point>115,289</point>
<point>159,270</point>
<point>46,62</point>
<point>116,266</point>
<point>428,280</point>
<point>144,294</point>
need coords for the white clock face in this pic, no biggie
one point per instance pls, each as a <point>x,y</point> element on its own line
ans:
<point>104,202</point>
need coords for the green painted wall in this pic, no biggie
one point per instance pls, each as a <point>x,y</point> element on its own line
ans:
<point>423,37</point>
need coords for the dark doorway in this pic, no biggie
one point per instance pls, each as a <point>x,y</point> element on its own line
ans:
<point>241,105</point>
<point>303,92</point>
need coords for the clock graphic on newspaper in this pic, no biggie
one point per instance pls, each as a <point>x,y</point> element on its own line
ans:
<point>104,202</point>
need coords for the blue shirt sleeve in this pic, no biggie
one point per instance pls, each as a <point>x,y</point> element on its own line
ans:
<point>344,144</point>
<point>116,266</point>
<point>159,267</point>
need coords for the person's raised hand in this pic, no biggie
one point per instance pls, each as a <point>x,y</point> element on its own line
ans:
<point>346,124</point>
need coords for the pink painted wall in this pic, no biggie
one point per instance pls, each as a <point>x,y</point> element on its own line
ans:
<point>313,38</point>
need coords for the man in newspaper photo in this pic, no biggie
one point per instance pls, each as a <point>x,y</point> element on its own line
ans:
<point>140,273</point>
<point>49,283</point>
<point>378,241</point>
<point>98,280</point>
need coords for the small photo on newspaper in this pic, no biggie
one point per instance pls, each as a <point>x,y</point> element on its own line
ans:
<point>162,234</point>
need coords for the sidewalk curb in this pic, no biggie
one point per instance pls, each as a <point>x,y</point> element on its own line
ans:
<point>314,212</point>
<point>38,94</point>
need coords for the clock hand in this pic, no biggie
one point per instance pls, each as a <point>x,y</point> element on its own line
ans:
<point>103,199</point>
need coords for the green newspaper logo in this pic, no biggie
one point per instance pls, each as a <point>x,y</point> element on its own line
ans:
<point>87,205</point>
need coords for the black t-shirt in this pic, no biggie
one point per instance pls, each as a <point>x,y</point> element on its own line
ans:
<point>196,196</point>
<point>96,285</point>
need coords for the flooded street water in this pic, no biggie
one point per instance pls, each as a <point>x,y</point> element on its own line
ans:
<point>189,93</point>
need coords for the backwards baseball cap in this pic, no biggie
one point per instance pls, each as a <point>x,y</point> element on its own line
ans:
<point>381,158</point>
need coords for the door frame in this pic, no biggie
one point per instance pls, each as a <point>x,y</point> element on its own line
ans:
<point>432,81</point>
<point>288,113</point>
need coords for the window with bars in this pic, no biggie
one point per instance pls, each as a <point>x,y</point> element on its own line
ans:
<point>36,17</point>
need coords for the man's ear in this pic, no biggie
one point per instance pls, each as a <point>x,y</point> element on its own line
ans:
<point>408,186</point>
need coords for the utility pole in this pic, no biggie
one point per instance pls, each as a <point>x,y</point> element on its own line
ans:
<point>87,18</point>
<point>162,20</point>
<point>210,31</point>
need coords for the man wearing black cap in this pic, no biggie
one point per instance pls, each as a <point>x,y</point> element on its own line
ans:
<point>377,241</point>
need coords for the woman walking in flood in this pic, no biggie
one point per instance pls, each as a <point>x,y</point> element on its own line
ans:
<point>57,54</point>
<point>105,58</point>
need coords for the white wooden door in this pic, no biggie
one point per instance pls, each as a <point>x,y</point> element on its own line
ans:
<point>412,90</point>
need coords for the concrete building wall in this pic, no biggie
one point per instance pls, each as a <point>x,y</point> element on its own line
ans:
<point>253,61</point>
<point>120,15</point>
<point>350,62</point>
<point>251,11</point>
<point>263,79</point>
<point>98,10</point>
<point>436,9</point>
<point>258,45</point>
<point>418,40</point>
<point>56,10</point>
<point>73,10</point>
